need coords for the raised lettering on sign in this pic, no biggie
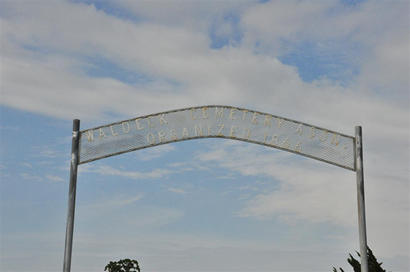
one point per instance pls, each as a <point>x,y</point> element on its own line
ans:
<point>255,118</point>
<point>217,121</point>
<point>185,133</point>
<point>173,134</point>
<point>162,120</point>
<point>90,135</point>
<point>219,113</point>
<point>268,121</point>
<point>198,130</point>
<point>137,123</point>
<point>221,127</point>
<point>205,113</point>
<point>102,133</point>
<point>113,132</point>
<point>125,127</point>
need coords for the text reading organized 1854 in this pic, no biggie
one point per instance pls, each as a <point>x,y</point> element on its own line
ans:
<point>217,121</point>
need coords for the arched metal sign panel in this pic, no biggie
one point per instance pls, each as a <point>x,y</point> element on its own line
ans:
<point>217,121</point>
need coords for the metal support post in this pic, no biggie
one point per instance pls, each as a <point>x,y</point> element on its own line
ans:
<point>360,199</point>
<point>71,196</point>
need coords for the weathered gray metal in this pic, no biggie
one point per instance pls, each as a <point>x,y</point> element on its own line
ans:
<point>71,196</point>
<point>217,122</point>
<point>360,199</point>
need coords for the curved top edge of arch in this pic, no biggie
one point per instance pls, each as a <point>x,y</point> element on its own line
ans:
<point>217,121</point>
<point>216,106</point>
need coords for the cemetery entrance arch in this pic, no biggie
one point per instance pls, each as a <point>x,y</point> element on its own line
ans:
<point>216,122</point>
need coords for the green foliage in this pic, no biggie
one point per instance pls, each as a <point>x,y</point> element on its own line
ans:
<point>125,265</point>
<point>355,263</point>
<point>374,265</point>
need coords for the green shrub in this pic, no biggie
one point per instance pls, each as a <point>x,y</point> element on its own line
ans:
<point>125,265</point>
<point>374,265</point>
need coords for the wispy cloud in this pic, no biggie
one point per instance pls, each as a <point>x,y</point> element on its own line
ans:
<point>28,165</point>
<point>242,53</point>
<point>305,185</point>
<point>111,171</point>
<point>31,177</point>
<point>312,192</point>
<point>177,190</point>
<point>54,178</point>
<point>155,152</point>
<point>12,128</point>
<point>117,201</point>
<point>41,178</point>
<point>48,153</point>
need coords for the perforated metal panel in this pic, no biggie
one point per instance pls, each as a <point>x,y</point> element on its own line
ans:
<point>217,121</point>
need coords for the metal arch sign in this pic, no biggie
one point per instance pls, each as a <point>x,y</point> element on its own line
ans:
<point>216,122</point>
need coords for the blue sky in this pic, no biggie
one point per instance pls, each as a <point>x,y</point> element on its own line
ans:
<point>210,204</point>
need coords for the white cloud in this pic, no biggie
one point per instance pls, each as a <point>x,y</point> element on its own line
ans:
<point>204,76</point>
<point>307,190</point>
<point>312,192</point>
<point>379,28</point>
<point>155,152</point>
<point>111,171</point>
<point>284,19</point>
<point>111,214</point>
<point>49,78</point>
